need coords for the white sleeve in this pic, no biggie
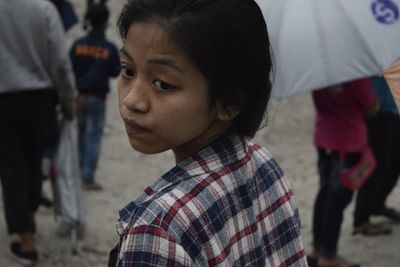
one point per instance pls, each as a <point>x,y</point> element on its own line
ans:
<point>60,65</point>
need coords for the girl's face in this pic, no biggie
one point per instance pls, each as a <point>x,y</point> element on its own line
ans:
<point>163,96</point>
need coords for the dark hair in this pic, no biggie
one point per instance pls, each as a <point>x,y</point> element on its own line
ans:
<point>226,39</point>
<point>96,16</point>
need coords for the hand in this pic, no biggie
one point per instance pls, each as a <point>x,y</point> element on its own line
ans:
<point>80,102</point>
<point>69,112</point>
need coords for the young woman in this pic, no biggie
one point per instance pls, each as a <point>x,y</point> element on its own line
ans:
<point>340,136</point>
<point>195,79</point>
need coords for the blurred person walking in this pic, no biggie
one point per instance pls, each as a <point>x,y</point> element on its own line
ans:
<point>67,13</point>
<point>384,132</point>
<point>68,19</point>
<point>340,136</point>
<point>50,150</point>
<point>35,74</point>
<point>95,60</point>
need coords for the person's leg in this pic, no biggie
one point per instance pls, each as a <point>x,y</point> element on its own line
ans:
<point>94,130</point>
<point>82,121</point>
<point>15,181</point>
<point>25,132</point>
<point>44,138</point>
<point>391,171</point>
<point>14,170</point>
<point>320,200</point>
<point>27,241</point>
<point>362,207</point>
<point>337,198</point>
<point>378,142</point>
<point>323,166</point>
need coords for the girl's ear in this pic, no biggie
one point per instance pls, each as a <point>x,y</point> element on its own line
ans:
<point>225,113</point>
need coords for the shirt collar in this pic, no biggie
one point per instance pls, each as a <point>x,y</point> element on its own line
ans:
<point>96,34</point>
<point>221,153</point>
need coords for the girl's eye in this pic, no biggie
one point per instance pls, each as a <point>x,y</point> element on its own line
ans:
<point>163,86</point>
<point>126,72</point>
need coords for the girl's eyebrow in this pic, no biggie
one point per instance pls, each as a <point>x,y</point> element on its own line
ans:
<point>165,62</point>
<point>168,63</point>
<point>123,52</point>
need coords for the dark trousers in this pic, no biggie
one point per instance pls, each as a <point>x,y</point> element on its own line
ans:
<point>331,200</point>
<point>27,123</point>
<point>384,138</point>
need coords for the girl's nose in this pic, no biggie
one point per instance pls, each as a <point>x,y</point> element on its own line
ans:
<point>137,99</point>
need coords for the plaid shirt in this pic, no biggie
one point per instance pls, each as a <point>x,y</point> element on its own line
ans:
<point>227,205</point>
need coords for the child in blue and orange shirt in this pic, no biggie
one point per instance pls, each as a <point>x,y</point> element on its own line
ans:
<point>95,60</point>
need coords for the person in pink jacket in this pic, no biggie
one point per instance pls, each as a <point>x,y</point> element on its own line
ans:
<point>340,136</point>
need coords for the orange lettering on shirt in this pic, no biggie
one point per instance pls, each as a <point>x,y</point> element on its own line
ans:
<point>93,51</point>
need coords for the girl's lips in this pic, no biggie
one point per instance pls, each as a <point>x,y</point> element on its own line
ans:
<point>134,128</point>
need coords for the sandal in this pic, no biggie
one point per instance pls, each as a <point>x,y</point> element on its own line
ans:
<point>26,258</point>
<point>346,264</point>
<point>340,262</point>
<point>372,229</point>
<point>390,213</point>
<point>312,260</point>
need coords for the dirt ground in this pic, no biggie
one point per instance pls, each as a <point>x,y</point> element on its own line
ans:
<point>124,173</point>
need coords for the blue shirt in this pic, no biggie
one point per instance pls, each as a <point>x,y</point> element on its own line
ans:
<point>94,60</point>
<point>382,90</point>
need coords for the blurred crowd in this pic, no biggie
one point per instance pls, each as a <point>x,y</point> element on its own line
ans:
<point>356,137</point>
<point>41,80</point>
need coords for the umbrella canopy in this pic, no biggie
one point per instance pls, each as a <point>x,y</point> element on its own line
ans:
<point>317,43</point>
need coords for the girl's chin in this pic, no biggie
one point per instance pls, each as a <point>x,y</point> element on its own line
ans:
<point>147,148</point>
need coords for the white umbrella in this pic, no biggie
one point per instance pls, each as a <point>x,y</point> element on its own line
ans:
<point>318,43</point>
<point>67,185</point>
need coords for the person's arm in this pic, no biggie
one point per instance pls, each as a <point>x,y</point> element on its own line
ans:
<point>372,112</point>
<point>59,64</point>
<point>149,245</point>
<point>73,57</point>
<point>362,92</point>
